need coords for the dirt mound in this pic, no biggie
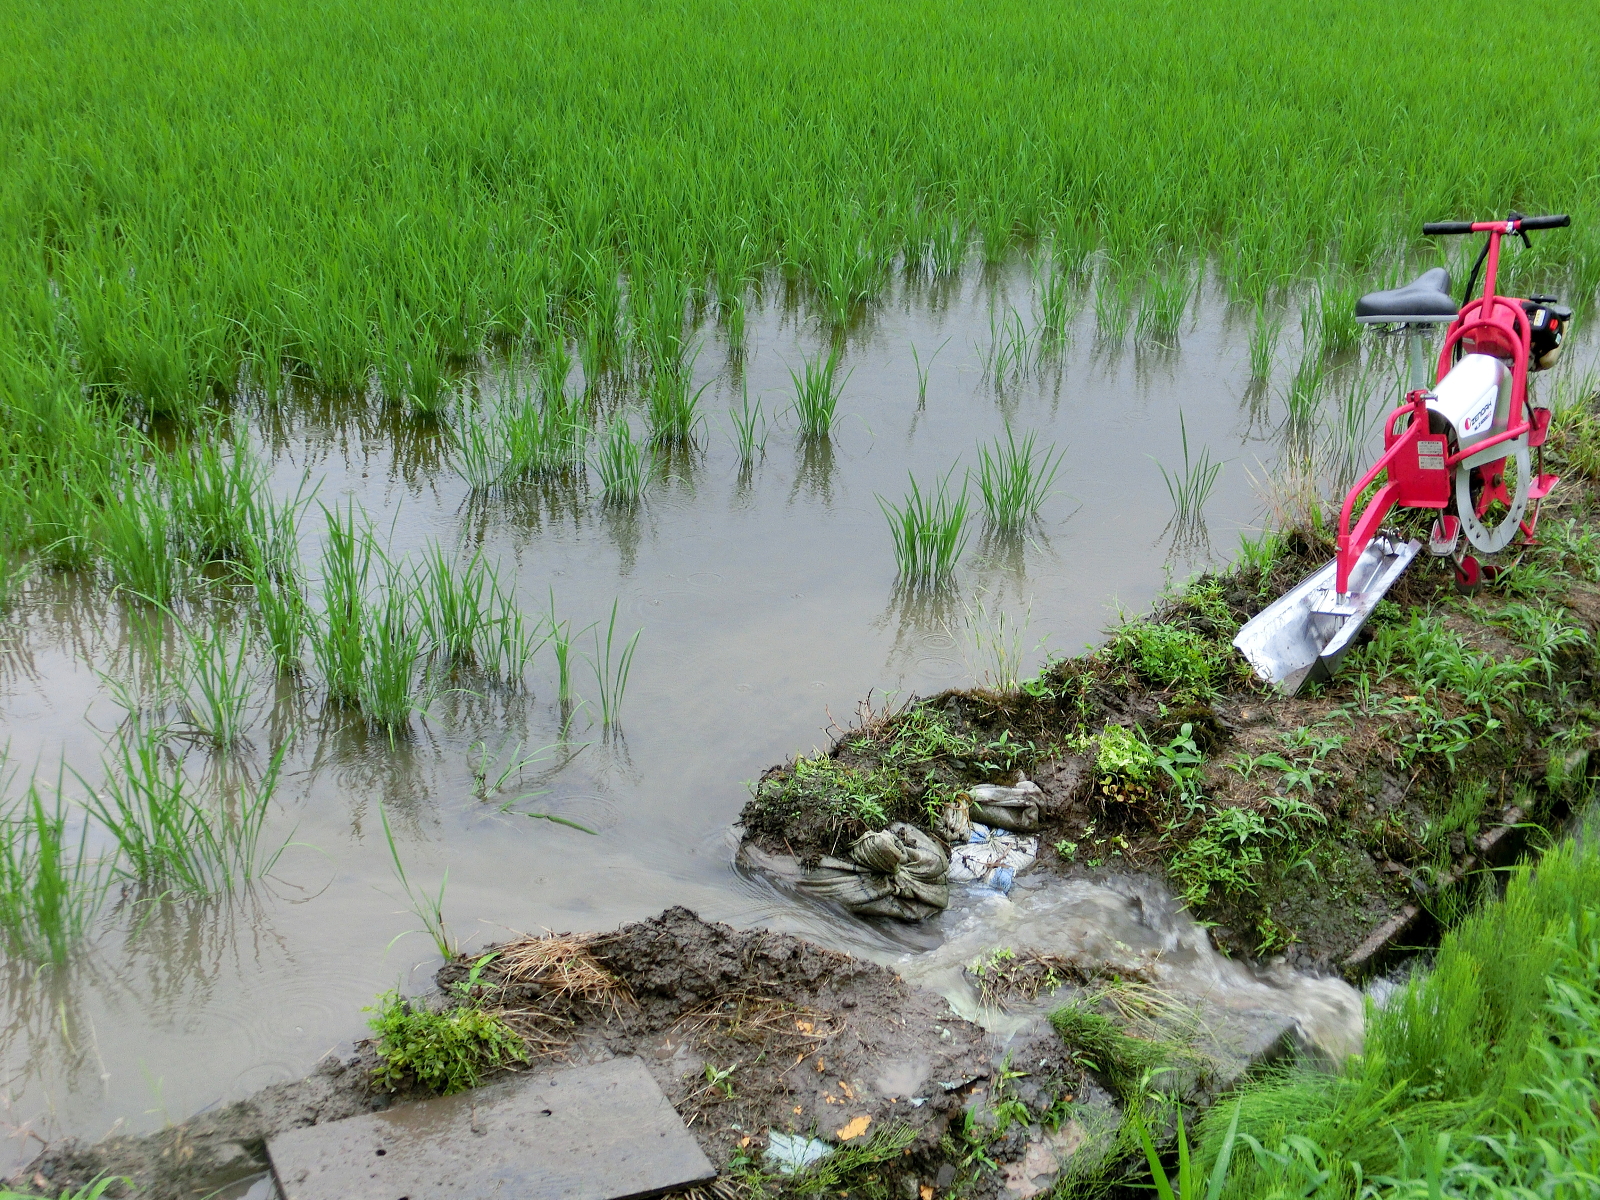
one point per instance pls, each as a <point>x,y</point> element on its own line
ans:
<point>745,1031</point>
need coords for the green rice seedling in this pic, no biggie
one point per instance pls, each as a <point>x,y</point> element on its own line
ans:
<point>1166,300</point>
<point>168,838</point>
<point>391,651</point>
<point>280,601</point>
<point>816,395</point>
<point>1334,316</point>
<point>1191,487</point>
<point>138,541</point>
<point>923,372</point>
<point>1055,300</point>
<point>483,454</point>
<point>1264,334</point>
<point>216,687</point>
<point>427,909</point>
<point>511,638</point>
<point>214,497</point>
<point>561,640</point>
<point>1011,351</point>
<point>1302,402</point>
<point>454,606</point>
<point>338,641</point>
<point>1015,478</point>
<point>50,887</point>
<point>623,465</point>
<point>671,410</point>
<point>750,430</point>
<point>1113,303</point>
<point>929,531</point>
<point>611,668</point>
<point>947,247</point>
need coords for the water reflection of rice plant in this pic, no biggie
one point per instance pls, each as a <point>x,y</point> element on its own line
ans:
<point>1189,489</point>
<point>929,530</point>
<point>1015,478</point>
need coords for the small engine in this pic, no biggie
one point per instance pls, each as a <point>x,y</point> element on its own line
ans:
<point>1547,322</point>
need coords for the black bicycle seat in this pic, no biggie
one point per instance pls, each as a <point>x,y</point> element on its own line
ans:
<point>1425,299</point>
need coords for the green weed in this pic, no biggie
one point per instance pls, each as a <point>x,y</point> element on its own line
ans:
<point>445,1052</point>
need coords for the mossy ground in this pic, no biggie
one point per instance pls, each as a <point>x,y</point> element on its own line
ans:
<point>1293,826</point>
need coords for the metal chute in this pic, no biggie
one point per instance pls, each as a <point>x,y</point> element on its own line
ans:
<point>1300,638</point>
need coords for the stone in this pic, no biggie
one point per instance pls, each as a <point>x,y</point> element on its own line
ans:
<point>601,1132</point>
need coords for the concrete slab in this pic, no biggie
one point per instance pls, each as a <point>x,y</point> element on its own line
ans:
<point>603,1132</point>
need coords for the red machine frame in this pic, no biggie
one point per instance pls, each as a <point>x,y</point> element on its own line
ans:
<point>1497,325</point>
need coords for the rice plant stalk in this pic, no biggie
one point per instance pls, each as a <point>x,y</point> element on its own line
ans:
<point>391,650</point>
<point>427,909</point>
<point>1191,488</point>
<point>611,668</point>
<point>750,430</point>
<point>923,371</point>
<point>216,689</point>
<point>339,641</point>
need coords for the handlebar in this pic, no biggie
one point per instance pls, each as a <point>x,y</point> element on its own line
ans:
<point>1446,228</point>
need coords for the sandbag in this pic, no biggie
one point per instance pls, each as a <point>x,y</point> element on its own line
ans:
<point>992,858</point>
<point>953,824</point>
<point>1014,808</point>
<point>897,872</point>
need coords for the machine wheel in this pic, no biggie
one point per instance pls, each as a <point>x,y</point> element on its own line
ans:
<point>1469,575</point>
<point>1491,499</point>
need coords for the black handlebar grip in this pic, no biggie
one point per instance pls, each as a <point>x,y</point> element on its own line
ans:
<point>1433,228</point>
<point>1560,221</point>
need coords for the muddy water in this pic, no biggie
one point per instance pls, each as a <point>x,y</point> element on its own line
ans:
<point>767,607</point>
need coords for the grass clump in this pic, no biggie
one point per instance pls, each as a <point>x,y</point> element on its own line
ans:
<point>1477,1078</point>
<point>622,463</point>
<point>1171,656</point>
<point>444,1052</point>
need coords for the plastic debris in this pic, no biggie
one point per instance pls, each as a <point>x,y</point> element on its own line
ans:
<point>790,1153</point>
<point>992,858</point>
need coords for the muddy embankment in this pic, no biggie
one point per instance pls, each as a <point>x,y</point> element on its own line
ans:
<point>1196,872</point>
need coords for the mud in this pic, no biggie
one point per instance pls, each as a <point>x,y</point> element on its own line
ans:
<point>812,1041</point>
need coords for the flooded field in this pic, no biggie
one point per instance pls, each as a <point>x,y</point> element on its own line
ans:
<point>766,603</point>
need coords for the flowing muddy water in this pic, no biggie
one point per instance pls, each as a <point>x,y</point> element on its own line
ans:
<point>767,607</point>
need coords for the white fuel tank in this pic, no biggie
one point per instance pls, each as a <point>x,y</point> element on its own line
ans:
<point>1475,400</point>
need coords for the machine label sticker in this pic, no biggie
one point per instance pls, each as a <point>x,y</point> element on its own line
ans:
<point>1478,419</point>
<point>1430,456</point>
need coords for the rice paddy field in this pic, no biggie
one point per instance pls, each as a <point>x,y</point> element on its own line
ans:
<point>448,450</point>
